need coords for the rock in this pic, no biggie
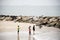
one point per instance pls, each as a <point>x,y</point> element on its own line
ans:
<point>2,18</point>
<point>8,19</point>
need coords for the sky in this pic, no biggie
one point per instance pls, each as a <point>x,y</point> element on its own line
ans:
<point>30,7</point>
<point>29,2</point>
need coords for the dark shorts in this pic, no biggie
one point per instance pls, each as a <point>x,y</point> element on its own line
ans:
<point>18,31</point>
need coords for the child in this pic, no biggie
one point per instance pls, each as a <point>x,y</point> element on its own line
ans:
<point>18,29</point>
<point>33,29</point>
<point>29,30</point>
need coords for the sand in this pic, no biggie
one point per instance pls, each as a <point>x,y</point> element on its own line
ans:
<point>12,26</point>
<point>8,31</point>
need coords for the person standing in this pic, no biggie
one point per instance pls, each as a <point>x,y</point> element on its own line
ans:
<point>18,29</point>
<point>29,30</point>
<point>18,32</point>
<point>33,29</point>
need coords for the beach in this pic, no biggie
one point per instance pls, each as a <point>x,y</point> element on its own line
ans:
<point>10,26</point>
<point>8,31</point>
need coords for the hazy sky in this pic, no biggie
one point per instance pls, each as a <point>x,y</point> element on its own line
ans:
<point>30,7</point>
<point>29,2</point>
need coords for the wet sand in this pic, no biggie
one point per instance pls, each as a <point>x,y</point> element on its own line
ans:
<point>8,31</point>
<point>14,36</point>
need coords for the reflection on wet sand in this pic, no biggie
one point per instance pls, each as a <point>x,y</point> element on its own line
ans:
<point>33,32</point>
<point>18,37</point>
<point>31,37</point>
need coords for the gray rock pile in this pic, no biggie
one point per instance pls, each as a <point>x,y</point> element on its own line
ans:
<point>49,21</point>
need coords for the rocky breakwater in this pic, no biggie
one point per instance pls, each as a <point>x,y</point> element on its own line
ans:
<point>49,21</point>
